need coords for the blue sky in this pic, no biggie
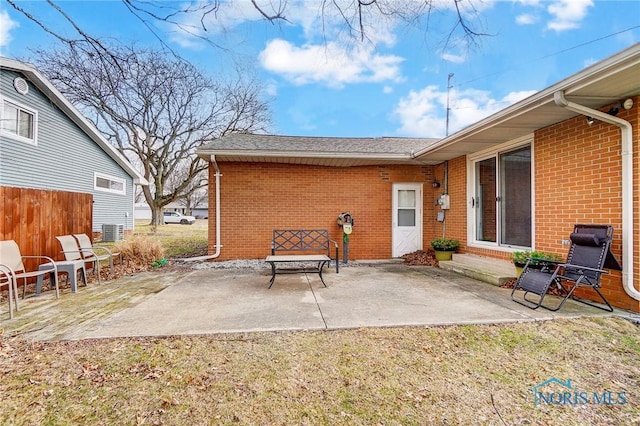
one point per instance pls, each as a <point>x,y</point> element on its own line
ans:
<point>322,83</point>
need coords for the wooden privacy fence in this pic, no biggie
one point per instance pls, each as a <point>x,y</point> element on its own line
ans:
<point>34,217</point>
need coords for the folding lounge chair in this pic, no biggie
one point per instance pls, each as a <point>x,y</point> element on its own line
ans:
<point>589,253</point>
<point>12,261</point>
<point>95,254</point>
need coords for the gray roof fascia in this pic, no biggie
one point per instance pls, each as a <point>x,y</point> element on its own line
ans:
<point>568,85</point>
<point>45,86</point>
<point>270,146</point>
<point>307,154</point>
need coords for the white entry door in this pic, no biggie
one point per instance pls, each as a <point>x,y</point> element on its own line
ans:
<point>407,218</point>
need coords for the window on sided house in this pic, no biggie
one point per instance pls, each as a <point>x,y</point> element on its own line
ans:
<point>18,122</point>
<point>108,183</point>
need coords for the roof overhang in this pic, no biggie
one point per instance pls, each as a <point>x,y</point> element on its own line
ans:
<point>53,94</point>
<point>319,151</point>
<point>312,158</point>
<point>601,84</point>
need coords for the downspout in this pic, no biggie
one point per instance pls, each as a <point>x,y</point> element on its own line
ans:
<point>626,132</point>
<point>218,245</point>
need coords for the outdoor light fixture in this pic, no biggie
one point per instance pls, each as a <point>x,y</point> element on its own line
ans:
<point>435,184</point>
<point>627,104</point>
<point>590,120</point>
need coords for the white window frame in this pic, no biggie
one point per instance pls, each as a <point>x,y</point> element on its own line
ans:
<point>488,153</point>
<point>97,175</point>
<point>22,107</point>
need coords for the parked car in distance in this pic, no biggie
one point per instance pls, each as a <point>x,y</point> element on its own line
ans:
<point>177,217</point>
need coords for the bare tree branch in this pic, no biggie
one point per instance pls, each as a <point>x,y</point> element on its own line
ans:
<point>360,18</point>
<point>156,109</point>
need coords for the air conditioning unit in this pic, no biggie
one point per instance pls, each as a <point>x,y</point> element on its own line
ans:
<point>112,232</point>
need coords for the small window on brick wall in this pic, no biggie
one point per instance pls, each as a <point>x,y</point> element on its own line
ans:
<point>109,184</point>
<point>18,122</point>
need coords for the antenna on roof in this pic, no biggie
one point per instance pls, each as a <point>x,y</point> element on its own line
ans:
<point>448,109</point>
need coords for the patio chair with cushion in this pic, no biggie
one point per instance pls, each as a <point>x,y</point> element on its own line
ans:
<point>96,253</point>
<point>589,253</point>
<point>12,260</point>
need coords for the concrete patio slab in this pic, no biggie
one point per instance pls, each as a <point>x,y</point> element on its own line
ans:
<point>206,301</point>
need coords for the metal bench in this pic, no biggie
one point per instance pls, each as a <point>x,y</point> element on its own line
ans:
<point>309,246</point>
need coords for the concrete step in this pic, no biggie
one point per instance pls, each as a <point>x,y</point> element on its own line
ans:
<point>492,271</point>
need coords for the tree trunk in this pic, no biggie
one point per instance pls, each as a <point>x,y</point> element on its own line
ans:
<point>157,217</point>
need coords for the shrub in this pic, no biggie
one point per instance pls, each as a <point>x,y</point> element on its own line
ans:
<point>445,244</point>
<point>141,251</point>
<point>537,257</point>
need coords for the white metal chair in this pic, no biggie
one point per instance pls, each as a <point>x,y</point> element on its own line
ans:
<point>96,254</point>
<point>74,262</point>
<point>7,279</point>
<point>12,260</point>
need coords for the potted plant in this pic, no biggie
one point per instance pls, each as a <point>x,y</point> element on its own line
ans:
<point>444,247</point>
<point>536,259</point>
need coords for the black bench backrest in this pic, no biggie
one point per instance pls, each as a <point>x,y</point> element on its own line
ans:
<point>300,240</point>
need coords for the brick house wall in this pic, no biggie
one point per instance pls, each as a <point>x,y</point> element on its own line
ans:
<point>578,175</point>
<point>455,225</point>
<point>257,198</point>
<point>578,179</point>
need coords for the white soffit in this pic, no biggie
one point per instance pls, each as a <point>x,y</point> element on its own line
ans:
<point>603,83</point>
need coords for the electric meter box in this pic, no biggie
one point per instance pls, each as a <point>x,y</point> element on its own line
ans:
<point>444,202</point>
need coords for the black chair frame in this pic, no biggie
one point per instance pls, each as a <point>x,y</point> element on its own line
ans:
<point>589,253</point>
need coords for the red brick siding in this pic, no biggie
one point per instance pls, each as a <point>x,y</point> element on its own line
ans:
<point>577,171</point>
<point>455,225</point>
<point>578,175</point>
<point>259,197</point>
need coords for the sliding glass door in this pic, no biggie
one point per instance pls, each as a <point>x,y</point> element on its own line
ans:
<point>502,198</point>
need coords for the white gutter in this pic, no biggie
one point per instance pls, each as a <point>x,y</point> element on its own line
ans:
<point>218,245</point>
<point>311,154</point>
<point>626,131</point>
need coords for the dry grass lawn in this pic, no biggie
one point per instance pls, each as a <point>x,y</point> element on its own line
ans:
<point>387,376</point>
<point>378,376</point>
<point>178,240</point>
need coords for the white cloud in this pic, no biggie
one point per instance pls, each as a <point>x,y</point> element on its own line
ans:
<point>567,14</point>
<point>526,19</point>
<point>6,25</point>
<point>331,63</point>
<point>423,113</point>
<point>271,88</point>
<point>456,59</point>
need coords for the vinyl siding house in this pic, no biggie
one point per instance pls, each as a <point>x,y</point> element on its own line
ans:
<point>519,179</point>
<point>49,149</point>
<point>143,211</point>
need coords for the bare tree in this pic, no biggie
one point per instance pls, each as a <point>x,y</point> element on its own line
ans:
<point>360,18</point>
<point>195,192</point>
<point>155,109</point>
